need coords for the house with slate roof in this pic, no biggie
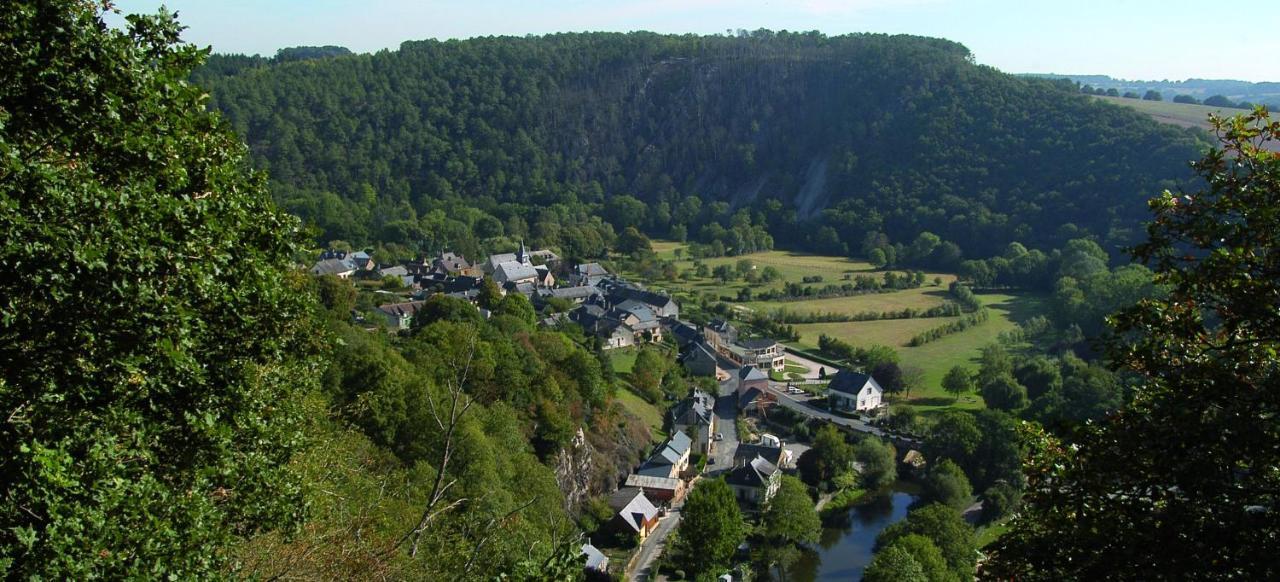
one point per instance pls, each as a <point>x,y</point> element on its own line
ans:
<point>588,274</point>
<point>340,268</point>
<point>720,334</point>
<point>597,562</point>
<point>695,416</point>
<point>699,361</point>
<point>400,315</point>
<point>754,480</point>
<point>633,512</point>
<point>854,392</point>
<point>670,459</point>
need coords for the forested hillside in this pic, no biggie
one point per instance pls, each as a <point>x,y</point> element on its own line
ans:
<point>863,134</point>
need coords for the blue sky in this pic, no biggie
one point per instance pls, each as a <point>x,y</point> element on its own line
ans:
<point>1134,39</point>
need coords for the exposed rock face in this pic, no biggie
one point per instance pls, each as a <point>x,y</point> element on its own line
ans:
<point>573,469</point>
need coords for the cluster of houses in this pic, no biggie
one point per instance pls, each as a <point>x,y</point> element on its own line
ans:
<point>618,312</point>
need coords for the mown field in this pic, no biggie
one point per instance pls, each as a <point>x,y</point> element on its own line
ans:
<point>1181,114</point>
<point>930,295</point>
<point>938,356</point>
<point>934,358</point>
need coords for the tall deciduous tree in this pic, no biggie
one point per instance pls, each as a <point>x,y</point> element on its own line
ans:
<point>151,334</point>
<point>790,517</point>
<point>958,381</point>
<point>879,465</point>
<point>1183,482</point>
<point>711,528</point>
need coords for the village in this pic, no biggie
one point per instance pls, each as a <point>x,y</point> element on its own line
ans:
<point>704,439</point>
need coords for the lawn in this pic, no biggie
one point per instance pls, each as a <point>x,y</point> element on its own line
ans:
<point>936,357</point>
<point>623,359</point>
<point>793,266</point>
<point>646,412</point>
<point>919,298</point>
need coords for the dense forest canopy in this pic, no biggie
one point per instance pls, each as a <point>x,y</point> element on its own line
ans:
<point>854,137</point>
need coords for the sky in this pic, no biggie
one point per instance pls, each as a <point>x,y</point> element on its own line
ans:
<point>1129,39</point>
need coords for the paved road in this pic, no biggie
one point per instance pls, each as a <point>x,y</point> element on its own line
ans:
<point>805,405</point>
<point>653,545</point>
<point>726,411</point>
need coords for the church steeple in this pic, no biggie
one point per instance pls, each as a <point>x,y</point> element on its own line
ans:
<point>522,257</point>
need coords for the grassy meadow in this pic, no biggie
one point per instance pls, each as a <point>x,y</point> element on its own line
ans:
<point>934,358</point>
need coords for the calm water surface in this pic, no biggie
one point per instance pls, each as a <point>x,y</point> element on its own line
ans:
<point>845,547</point>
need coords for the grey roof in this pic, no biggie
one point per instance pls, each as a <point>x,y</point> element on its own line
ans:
<point>398,271</point>
<point>850,382</point>
<point>596,560</point>
<point>670,452</point>
<point>498,259</point>
<point>579,292</point>
<point>749,373</point>
<point>513,271</point>
<point>332,267</point>
<point>652,482</point>
<point>696,409</point>
<point>642,311</point>
<point>360,256</point>
<point>684,333</point>
<point>696,350</point>
<point>398,309</point>
<point>753,474</point>
<point>451,262</point>
<point>746,451</point>
<point>592,269</point>
<point>757,343</point>
<point>680,442</point>
<point>720,326</point>
<point>660,470</point>
<point>633,507</point>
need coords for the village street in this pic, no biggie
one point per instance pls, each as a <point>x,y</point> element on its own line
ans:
<point>721,460</point>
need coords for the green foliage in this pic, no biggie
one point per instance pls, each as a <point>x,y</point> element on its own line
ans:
<point>999,500</point>
<point>923,552</point>
<point>790,517</point>
<point>830,455</point>
<point>479,136</point>
<point>152,338</point>
<point>894,564</point>
<point>958,381</point>
<point>711,528</point>
<point>1004,393</point>
<point>1182,483</point>
<point>946,484</point>
<point>879,464</point>
<point>944,527</point>
<point>440,307</point>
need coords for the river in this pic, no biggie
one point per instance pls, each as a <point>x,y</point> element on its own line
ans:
<point>846,543</point>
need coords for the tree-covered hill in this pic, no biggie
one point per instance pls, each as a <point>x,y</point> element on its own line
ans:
<point>860,133</point>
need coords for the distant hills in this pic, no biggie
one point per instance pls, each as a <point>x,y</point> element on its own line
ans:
<point>829,142</point>
<point>1267,93</point>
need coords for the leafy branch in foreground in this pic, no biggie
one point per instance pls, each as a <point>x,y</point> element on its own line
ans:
<point>1182,484</point>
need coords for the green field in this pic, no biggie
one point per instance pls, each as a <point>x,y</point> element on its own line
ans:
<point>792,266</point>
<point>646,412</point>
<point>1180,114</point>
<point>921,298</point>
<point>934,358</point>
<point>938,356</point>
<point>623,359</point>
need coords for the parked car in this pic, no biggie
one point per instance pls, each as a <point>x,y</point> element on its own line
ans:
<point>719,436</point>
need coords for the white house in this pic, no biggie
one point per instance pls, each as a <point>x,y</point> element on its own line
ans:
<point>855,392</point>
